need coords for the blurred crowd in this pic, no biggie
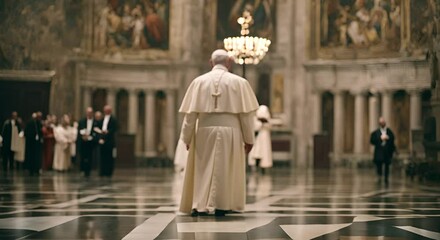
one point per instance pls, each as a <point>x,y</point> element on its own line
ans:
<point>58,143</point>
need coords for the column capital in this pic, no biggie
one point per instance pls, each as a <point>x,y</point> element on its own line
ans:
<point>387,91</point>
<point>150,91</point>
<point>359,92</point>
<point>337,91</point>
<point>318,91</point>
<point>414,91</point>
<point>111,90</point>
<point>135,91</point>
<point>88,88</point>
<point>170,90</point>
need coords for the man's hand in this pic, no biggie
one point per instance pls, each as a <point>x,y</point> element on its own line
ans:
<point>248,147</point>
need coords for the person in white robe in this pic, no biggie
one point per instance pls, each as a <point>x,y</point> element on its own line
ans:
<point>261,154</point>
<point>18,146</point>
<point>65,135</point>
<point>223,105</point>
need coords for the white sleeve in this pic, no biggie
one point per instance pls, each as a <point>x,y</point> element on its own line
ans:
<point>188,125</point>
<point>247,127</point>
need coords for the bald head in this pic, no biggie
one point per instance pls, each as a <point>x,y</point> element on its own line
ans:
<point>14,115</point>
<point>220,56</point>
<point>382,122</point>
<point>98,116</point>
<point>89,112</point>
<point>107,110</point>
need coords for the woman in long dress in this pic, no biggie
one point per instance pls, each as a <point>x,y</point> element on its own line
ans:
<point>49,142</point>
<point>65,135</point>
<point>261,153</point>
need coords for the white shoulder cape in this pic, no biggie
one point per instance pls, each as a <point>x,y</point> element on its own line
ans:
<point>236,95</point>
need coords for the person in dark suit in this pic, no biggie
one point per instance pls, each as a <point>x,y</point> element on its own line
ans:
<point>34,144</point>
<point>107,142</point>
<point>383,141</point>
<point>86,141</point>
<point>9,133</point>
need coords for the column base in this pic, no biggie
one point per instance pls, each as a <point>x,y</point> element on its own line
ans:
<point>150,154</point>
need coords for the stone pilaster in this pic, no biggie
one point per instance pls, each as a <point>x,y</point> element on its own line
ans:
<point>338,127</point>
<point>359,121</point>
<point>150,128</point>
<point>171,122</point>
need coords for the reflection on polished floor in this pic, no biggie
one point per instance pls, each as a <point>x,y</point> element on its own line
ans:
<point>142,204</point>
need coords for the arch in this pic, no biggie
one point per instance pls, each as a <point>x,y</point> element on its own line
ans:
<point>348,123</point>
<point>99,99</point>
<point>122,110</point>
<point>327,115</point>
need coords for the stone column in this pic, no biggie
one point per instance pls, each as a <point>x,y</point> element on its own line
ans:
<point>87,98</point>
<point>171,122</point>
<point>373,111</point>
<point>133,105</point>
<point>150,126</point>
<point>317,112</point>
<point>415,111</point>
<point>111,99</point>
<point>338,126</point>
<point>359,122</point>
<point>387,106</point>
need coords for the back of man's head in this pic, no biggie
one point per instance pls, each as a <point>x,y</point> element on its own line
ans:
<point>219,56</point>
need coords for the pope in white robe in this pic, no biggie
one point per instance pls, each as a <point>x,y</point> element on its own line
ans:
<point>224,105</point>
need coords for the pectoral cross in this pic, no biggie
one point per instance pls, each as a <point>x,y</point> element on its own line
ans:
<point>216,95</point>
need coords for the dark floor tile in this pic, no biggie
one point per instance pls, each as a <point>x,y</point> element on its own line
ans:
<point>6,234</point>
<point>90,228</point>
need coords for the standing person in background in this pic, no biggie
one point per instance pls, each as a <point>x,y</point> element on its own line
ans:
<point>97,148</point>
<point>34,144</point>
<point>49,142</point>
<point>261,154</point>
<point>383,141</point>
<point>73,147</point>
<point>224,106</point>
<point>107,142</point>
<point>65,135</point>
<point>9,133</point>
<point>86,141</point>
<point>19,146</point>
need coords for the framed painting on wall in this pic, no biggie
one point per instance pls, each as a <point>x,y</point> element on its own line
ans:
<point>228,11</point>
<point>131,26</point>
<point>351,29</point>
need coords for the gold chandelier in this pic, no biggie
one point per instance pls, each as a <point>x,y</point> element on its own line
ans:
<point>246,49</point>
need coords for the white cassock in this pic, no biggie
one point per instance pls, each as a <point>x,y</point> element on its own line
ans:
<point>64,136</point>
<point>224,106</point>
<point>263,144</point>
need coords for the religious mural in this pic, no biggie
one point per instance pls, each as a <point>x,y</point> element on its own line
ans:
<point>262,11</point>
<point>34,33</point>
<point>361,23</point>
<point>132,25</point>
<point>373,28</point>
<point>423,11</point>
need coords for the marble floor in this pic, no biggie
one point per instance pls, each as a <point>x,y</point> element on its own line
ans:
<point>142,204</point>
